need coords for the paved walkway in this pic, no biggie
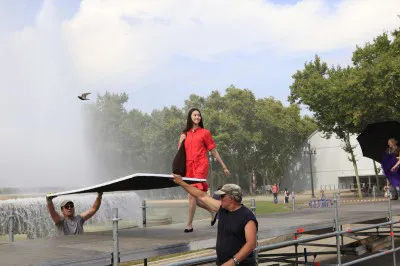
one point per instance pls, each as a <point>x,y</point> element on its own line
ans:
<point>139,243</point>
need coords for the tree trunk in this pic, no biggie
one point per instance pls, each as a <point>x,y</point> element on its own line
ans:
<point>350,150</point>
<point>376,175</point>
<point>250,173</point>
<point>264,183</point>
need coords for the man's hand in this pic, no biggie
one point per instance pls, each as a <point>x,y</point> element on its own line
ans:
<point>177,179</point>
<point>99,194</point>
<point>50,198</point>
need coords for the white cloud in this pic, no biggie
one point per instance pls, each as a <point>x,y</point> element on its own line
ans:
<point>106,45</point>
<point>119,42</point>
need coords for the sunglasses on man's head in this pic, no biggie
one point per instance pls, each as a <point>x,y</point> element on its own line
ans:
<point>69,206</point>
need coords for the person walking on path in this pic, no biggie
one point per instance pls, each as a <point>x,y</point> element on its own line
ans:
<point>198,141</point>
<point>286,195</point>
<point>275,190</point>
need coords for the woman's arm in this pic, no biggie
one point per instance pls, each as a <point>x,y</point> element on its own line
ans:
<point>215,153</point>
<point>396,165</point>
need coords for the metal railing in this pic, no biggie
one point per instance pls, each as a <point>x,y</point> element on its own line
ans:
<point>338,233</point>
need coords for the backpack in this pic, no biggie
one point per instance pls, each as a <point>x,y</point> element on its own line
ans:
<point>179,163</point>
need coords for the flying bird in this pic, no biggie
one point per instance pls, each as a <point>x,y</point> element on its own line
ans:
<point>83,96</point>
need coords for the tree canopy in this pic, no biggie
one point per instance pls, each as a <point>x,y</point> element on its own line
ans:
<point>346,99</point>
<point>254,136</point>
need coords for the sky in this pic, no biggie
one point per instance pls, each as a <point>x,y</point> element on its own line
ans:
<point>159,52</point>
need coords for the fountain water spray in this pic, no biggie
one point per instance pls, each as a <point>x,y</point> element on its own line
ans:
<point>32,218</point>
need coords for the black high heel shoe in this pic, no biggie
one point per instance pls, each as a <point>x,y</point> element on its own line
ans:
<point>188,230</point>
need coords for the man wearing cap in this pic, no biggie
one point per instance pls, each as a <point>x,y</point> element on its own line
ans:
<point>237,225</point>
<point>69,223</point>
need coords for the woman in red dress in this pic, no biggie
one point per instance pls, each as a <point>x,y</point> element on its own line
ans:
<point>198,141</point>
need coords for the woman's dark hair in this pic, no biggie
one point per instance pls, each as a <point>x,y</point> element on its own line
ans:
<point>189,123</point>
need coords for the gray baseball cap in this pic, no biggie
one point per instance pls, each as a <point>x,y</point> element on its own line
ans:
<point>230,189</point>
<point>65,202</point>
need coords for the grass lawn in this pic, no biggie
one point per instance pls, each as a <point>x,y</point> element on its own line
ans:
<point>265,207</point>
<point>4,238</point>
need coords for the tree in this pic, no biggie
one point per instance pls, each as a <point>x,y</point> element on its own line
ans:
<point>325,91</point>
<point>376,78</point>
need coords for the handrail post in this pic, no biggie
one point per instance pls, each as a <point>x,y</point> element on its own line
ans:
<point>253,209</point>
<point>293,200</point>
<point>337,229</point>
<point>11,228</point>
<point>115,237</point>
<point>391,228</point>
<point>144,207</point>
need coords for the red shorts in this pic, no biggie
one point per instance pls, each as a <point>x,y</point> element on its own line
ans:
<point>203,186</point>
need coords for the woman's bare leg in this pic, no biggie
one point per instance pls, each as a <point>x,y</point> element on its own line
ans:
<point>212,213</point>
<point>191,211</point>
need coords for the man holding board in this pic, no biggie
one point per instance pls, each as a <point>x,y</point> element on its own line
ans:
<point>237,226</point>
<point>69,223</point>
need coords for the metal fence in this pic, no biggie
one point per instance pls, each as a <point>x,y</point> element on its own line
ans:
<point>292,258</point>
<point>338,233</point>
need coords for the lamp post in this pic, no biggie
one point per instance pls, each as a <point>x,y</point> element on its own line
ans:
<point>310,151</point>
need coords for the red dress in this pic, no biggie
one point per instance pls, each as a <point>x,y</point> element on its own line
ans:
<point>197,143</point>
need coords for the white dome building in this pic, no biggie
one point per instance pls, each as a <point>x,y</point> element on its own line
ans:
<point>331,168</point>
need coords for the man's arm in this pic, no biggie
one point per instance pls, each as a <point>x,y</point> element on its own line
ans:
<point>211,203</point>
<point>96,206</point>
<point>53,213</point>
<point>250,231</point>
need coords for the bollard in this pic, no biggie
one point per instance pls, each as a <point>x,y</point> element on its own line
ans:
<point>337,229</point>
<point>391,228</point>
<point>305,256</point>
<point>144,207</point>
<point>11,228</point>
<point>115,237</point>
<point>293,202</point>
<point>253,205</point>
<point>374,192</point>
